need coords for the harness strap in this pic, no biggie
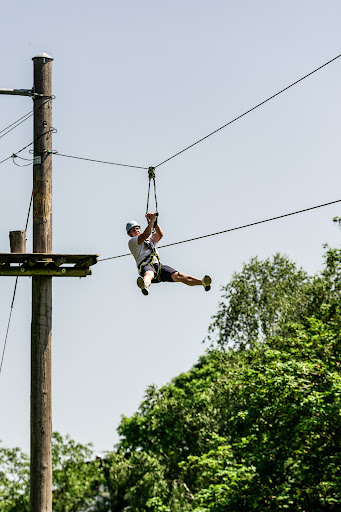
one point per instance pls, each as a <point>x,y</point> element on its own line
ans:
<point>148,261</point>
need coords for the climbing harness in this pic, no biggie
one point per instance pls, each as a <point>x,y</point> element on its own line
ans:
<point>153,254</point>
<point>149,259</point>
<point>151,176</point>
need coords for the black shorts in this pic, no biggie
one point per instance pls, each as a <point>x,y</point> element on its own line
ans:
<point>165,273</point>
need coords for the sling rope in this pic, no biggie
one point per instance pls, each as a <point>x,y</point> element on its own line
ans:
<point>151,176</point>
<point>153,252</point>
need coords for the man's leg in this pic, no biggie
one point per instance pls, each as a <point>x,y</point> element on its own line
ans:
<point>179,277</point>
<point>148,277</point>
<point>144,282</point>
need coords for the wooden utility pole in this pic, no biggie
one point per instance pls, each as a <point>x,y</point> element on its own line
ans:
<point>41,329</point>
<point>17,241</point>
<point>42,265</point>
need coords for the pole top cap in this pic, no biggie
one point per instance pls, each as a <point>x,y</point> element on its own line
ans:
<point>42,55</point>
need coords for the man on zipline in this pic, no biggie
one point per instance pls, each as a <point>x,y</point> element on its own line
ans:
<point>142,247</point>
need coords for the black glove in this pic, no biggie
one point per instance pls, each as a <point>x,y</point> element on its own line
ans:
<point>155,222</point>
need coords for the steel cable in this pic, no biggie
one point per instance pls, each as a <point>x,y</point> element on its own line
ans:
<point>99,161</point>
<point>14,293</point>
<point>234,229</point>
<point>250,110</point>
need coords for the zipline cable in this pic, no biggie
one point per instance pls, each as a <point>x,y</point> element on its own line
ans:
<point>250,110</point>
<point>210,134</point>
<point>14,293</point>
<point>98,161</point>
<point>234,229</point>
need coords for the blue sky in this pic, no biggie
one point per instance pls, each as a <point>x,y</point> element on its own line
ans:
<point>135,83</point>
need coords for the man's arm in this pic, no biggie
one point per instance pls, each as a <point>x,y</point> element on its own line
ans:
<point>158,234</point>
<point>148,231</point>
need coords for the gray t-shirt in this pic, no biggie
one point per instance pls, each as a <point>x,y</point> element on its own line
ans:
<point>141,252</point>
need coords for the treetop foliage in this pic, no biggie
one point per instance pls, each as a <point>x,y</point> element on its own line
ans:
<point>258,301</point>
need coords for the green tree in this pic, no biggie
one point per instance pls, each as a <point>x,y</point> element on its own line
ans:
<point>256,430</point>
<point>172,423</point>
<point>219,477</point>
<point>137,481</point>
<point>259,301</point>
<point>14,480</point>
<point>76,475</point>
<point>282,428</point>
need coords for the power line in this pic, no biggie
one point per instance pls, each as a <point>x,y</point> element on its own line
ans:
<point>27,159</point>
<point>234,229</point>
<point>20,150</point>
<point>22,119</point>
<point>2,161</point>
<point>99,161</point>
<point>18,165</point>
<point>250,110</point>
<point>16,124</point>
<point>28,145</point>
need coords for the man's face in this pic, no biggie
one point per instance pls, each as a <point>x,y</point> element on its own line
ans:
<point>135,231</point>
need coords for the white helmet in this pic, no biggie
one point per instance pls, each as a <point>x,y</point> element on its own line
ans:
<point>131,224</point>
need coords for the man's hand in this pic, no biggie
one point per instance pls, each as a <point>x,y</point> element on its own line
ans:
<point>151,216</point>
<point>148,231</point>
